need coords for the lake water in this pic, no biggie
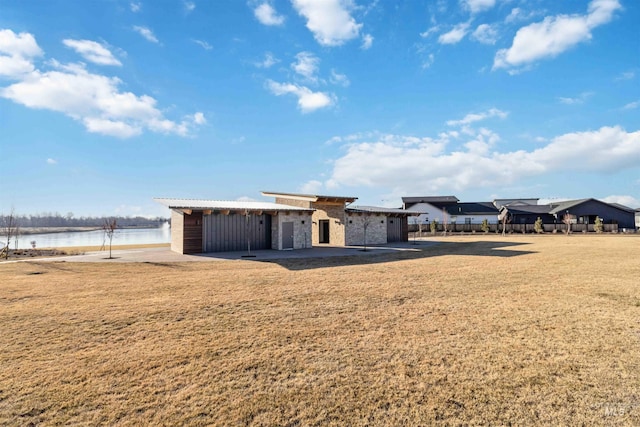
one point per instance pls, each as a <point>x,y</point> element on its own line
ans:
<point>126,236</point>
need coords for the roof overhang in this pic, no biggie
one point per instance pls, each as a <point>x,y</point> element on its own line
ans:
<point>208,207</point>
<point>380,210</point>
<point>310,197</point>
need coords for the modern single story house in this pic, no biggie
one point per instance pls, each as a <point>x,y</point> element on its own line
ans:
<point>294,221</point>
<point>199,226</point>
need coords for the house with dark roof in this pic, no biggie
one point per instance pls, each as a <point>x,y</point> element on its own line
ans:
<point>581,212</point>
<point>449,209</point>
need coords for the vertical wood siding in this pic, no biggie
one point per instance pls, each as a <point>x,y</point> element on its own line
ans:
<point>223,233</point>
<point>397,229</point>
<point>192,237</point>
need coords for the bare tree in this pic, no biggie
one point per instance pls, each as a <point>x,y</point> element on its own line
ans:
<point>11,229</point>
<point>247,217</point>
<point>505,218</point>
<point>109,228</point>
<point>567,218</point>
<point>445,219</point>
<point>365,225</point>
<point>416,222</point>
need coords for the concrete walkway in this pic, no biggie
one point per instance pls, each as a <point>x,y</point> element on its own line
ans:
<point>158,255</point>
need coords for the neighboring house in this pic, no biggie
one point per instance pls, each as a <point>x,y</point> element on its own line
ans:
<point>428,207</point>
<point>335,222</point>
<point>472,213</point>
<point>199,226</point>
<point>638,218</point>
<point>450,210</point>
<point>582,212</point>
<point>586,211</point>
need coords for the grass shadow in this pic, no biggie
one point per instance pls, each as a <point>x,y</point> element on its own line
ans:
<point>377,255</point>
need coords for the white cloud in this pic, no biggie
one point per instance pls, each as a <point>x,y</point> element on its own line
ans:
<point>554,35</point>
<point>407,164</point>
<point>267,15</point>
<point>189,6</point>
<point>476,117</point>
<point>199,119</point>
<point>306,65</point>
<point>135,6</point>
<point>485,34</point>
<point>427,63</point>
<point>92,51</point>
<point>330,21</point>
<point>308,100</point>
<point>110,127</point>
<point>632,105</point>
<point>515,15</point>
<point>581,99</point>
<point>146,33</point>
<point>51,161</point>
<point>434,29</point>
<point>203,44</point>
<point>455,35</point>
<point>339,79</point>
<point>475,6</point>
<point>628,201</point>
<point>627,75</point>
<point>268,61</point>
<point>17,52</point>
<point>311,187</point>
<point>94,100</point>
<point>367,41</point>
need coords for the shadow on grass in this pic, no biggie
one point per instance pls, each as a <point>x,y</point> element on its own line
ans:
<point>407,251</point>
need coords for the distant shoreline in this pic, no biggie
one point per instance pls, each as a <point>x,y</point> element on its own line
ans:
<point>25,231</point>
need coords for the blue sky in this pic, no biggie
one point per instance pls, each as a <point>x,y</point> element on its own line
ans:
<point>107,104</point>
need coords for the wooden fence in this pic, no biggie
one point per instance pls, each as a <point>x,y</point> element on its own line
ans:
<point>514,228</point>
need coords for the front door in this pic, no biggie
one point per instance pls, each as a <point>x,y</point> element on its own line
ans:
<point>287,235</point>
<point>324,231</point>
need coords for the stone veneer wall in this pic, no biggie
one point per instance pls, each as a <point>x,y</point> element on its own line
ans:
<point>293,202</point>
<point>336,215</point>
<point>376,231</point>
<point>177,231</point>
<point>301,229</point>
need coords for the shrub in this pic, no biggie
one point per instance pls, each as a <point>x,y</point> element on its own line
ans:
<point>598,226</point>
<point>485,225</point>
<point>537,226</point>
<point>433,226</point>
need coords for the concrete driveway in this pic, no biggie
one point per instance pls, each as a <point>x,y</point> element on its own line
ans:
<point>157,255</point>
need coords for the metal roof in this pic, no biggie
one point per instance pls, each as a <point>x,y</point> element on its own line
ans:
<point>232,205</point>
<point>376,209</point>
<point>528,209</point>
<point>430,199</point>
<point>310,197</point>
<point>472,208</point>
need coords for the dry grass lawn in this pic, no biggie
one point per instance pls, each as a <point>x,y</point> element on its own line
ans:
<point>522,330</point>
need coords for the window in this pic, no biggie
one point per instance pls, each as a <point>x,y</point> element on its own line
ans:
<point>467,220</point>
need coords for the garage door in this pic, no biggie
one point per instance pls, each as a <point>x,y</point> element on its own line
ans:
<point>223,233</point>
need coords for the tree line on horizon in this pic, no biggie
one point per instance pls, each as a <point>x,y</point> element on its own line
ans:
<point>69,220</point>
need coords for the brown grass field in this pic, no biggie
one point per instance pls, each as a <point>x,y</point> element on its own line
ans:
<point>477,330</point>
